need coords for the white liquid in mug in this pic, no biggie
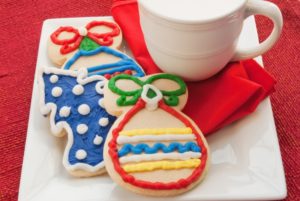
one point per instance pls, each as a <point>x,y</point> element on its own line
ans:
<point>192,10</point>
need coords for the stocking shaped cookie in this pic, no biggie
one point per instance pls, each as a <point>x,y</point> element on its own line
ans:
<point>67,40</point>
<point>74,103</point>
<point>104,61</point>
<point>152,148</point>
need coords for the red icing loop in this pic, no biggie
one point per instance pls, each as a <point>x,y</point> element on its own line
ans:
<point>128,72</point>
<point>68,45</point>
<point>182,183</point>
<point>107,76</point>
<point>116,73</point>
<point>104,39</point>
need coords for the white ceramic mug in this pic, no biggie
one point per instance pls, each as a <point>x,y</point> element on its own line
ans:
<point>195,39</point>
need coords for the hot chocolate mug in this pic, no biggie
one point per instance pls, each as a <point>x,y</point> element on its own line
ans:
<point>195,39</point>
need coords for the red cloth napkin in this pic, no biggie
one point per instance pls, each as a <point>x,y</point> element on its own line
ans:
<point>213,103</point>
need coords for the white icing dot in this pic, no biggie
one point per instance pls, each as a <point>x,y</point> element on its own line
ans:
<point>78,89</point>
<point>103,121</point>
<point>56,91</point>
<point>53,79</point>
<point>65,111</point>
<point>98,140</point>
<point>82,31</point>
<point>82,129</point>
<point>84,109</point>
<point>101,102</point>
<point>81,154</point>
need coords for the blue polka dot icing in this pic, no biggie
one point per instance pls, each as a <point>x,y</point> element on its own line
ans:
<point>53,78</point>
<point>103,121</point>
<point>64,111</point>
<point>84,109</point>
<point>78,89</point>
<point>82,129</point>
<point>56,91</point>
<point>101,102</point>
<point>98,140</point>
<point>72,98</point>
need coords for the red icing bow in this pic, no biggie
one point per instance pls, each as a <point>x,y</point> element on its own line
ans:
<point>69,45</point>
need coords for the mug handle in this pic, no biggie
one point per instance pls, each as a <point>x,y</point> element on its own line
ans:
<point>270,10</point>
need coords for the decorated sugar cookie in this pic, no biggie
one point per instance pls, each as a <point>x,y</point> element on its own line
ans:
<point>65,41</point>
<point>104,61</point>
<point>74,103</point>
<point>153,148</point>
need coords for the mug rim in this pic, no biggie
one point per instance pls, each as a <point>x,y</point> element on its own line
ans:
<point>196,55</point>
<point>196,22</point>
<point>189,27</point>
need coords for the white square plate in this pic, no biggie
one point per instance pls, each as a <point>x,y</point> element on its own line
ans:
<point>246,162</point>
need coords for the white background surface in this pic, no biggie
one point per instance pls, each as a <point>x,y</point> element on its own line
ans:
<point>245,156</point>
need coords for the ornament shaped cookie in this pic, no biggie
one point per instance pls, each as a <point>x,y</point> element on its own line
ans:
<point>104,61</point>
<point>74,103</point>
<point>65,41</point>
<point>153,148</point>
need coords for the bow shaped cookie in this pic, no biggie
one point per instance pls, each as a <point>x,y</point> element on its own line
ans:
<point>65,41</point>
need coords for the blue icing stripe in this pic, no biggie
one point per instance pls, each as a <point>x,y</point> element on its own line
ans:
<point>126,63</point>
<point>174,146</point>
<point>67,99</point>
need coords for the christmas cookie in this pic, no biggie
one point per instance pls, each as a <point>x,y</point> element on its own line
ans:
<point>67,40</point>
<point>104,61</point>
<point>74,103</point>
<point>153,148</point>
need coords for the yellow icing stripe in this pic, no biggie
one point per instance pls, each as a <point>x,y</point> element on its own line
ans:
<point>163,165</point>
<point>157,131</point>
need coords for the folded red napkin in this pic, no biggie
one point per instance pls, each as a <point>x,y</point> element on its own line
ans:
<point>213,103</point>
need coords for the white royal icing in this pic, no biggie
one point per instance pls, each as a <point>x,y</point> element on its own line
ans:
<point>82,129</point>
<point>56,91</point>
<point>98,140</point>
<point>65,111</point>
<point>84,109</point>
<point>145,138</point>
<point>100,87</point>
<point>78,89</point>
<point>82,31</point>
<point>81,154</point>
<point>103,121</point>
<point>101,102</point>
<point>53,79</point>
<point>159,156</point>
<point>151,103</point>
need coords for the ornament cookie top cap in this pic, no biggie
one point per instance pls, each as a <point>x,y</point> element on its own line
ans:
<point>66,40</point>
<point>123,91</point>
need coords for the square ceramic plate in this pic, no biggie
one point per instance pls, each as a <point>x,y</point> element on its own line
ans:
<point>246,162</point>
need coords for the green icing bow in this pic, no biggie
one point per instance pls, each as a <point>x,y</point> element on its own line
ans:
<point>131,97</point>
